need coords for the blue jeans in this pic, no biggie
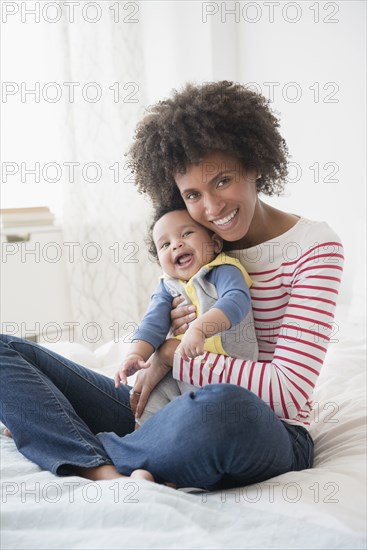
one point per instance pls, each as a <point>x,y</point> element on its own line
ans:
<point>63,415</point>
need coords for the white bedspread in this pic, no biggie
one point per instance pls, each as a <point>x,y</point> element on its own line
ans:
<point>324,507</point>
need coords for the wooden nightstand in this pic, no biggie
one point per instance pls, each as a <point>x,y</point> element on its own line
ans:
<point>35,300</point>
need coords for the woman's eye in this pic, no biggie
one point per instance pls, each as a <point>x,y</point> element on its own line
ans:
<point>223,181</point>
<point>192,196</point>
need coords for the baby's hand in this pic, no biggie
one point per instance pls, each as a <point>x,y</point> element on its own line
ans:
<point>131,365</point>
<point>192,344</point>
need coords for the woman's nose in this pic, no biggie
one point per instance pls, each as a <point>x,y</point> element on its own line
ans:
<point>213,206</point>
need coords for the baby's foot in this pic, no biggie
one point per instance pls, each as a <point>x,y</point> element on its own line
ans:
<point>142,474</point>
<point>7,432</point>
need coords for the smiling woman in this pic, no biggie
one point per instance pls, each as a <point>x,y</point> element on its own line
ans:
<point>214,148</point>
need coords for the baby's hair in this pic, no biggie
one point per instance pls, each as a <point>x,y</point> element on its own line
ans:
<point>220,116</point>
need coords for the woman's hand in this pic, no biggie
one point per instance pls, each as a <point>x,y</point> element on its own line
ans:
<point>181,316</point>
<point>145,382</point>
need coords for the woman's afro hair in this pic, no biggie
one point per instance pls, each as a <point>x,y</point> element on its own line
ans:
<point>200,119</point>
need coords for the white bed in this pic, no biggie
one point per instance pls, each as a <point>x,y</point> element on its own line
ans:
<point>324,507</point>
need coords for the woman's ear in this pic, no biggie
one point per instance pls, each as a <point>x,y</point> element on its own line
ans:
<point>218,243</point>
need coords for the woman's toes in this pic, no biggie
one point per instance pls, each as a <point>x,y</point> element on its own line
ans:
<point>7,432</point>
<point>171,485</point>
<point>142,474</point>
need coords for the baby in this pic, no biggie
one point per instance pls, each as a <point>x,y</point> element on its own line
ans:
<point>215,283</point>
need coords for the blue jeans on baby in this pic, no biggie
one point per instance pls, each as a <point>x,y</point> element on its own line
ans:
<point>63,415</point>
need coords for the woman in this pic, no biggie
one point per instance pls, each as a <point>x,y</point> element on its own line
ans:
<point>214,148</point>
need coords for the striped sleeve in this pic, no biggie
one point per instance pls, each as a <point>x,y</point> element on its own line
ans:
<point>294,311</point>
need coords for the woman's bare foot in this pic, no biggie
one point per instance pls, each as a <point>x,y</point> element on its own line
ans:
<point>171,485</point>
<point>142,474</point>
<point>103,472</point>
<point>108,471</point>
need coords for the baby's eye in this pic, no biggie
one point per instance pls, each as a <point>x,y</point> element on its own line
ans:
<point>187,233</point>
<point>164,245</point>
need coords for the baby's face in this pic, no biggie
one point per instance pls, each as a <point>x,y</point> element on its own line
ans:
<point>183,245</point>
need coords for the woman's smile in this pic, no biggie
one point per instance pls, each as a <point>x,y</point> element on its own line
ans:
<point>225,222</point>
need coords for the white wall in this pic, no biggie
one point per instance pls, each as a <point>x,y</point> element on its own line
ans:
<point>31,58</point>
<point>327,123</point>
<point>181,44</point>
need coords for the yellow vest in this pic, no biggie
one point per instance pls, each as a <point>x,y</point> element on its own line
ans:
<point>214,343</point>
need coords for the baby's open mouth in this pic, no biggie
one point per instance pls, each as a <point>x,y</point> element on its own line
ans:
<point>184,259</point>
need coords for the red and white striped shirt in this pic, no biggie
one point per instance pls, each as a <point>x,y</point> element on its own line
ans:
<point>296,279</point>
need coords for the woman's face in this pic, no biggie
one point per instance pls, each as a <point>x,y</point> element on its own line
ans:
<point>220,194</point>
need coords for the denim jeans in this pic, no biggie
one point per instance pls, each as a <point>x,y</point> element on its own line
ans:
<point>63,415</point>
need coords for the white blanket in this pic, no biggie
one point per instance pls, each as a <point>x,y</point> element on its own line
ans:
<point>324,507</point>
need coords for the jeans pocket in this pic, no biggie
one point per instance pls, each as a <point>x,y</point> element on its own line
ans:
<point>302,445</point>
<point>303,450</point>
<point>310,450</point>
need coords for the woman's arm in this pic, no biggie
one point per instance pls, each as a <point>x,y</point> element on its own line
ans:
<point>293,331</point>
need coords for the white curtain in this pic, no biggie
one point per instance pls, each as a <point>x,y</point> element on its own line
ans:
<point>132,64</point>
<point>104,219</point>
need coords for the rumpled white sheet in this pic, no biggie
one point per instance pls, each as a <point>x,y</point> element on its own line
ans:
<point>97,516</point>
<point>324,507</point>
